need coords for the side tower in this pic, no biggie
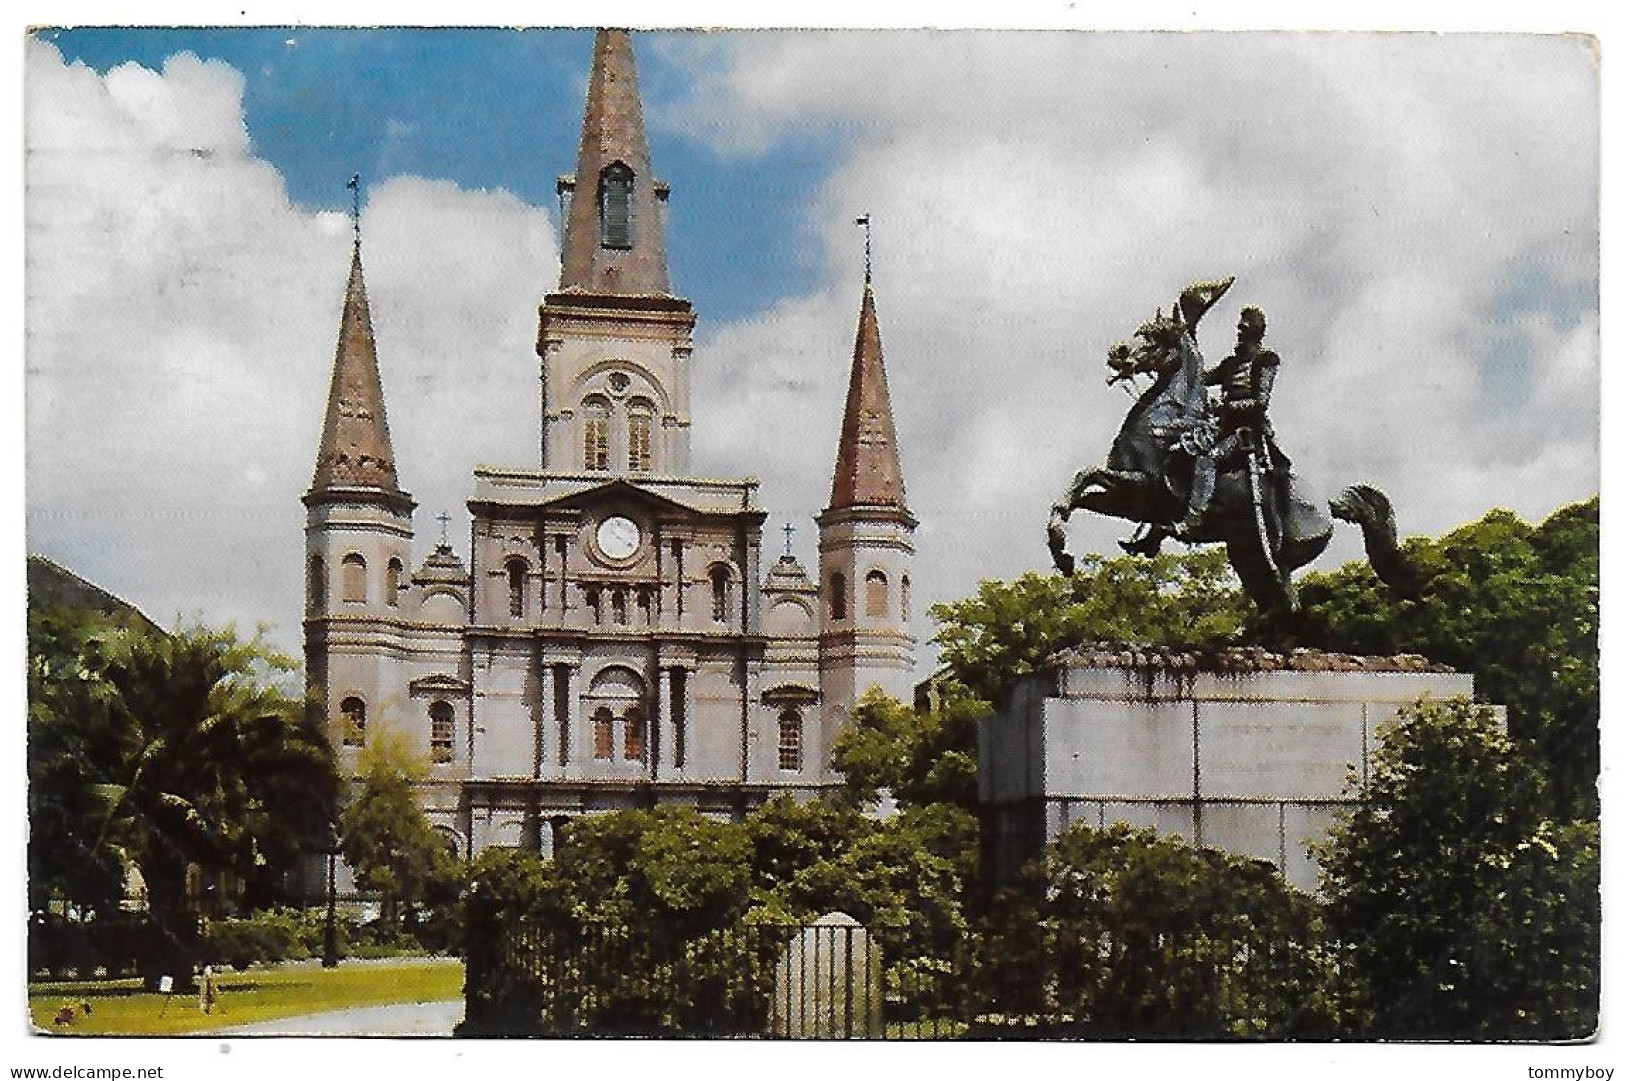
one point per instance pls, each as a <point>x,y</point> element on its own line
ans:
<point>614,341</point>
<point>865,545</point>
<point>358,536</point>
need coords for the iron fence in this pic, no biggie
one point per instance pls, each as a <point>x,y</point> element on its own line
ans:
<point>836,982</point>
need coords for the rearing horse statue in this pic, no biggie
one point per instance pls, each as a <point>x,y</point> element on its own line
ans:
<point>1251,501</point>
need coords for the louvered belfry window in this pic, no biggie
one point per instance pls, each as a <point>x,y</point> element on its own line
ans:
<point>638,439</point>
<point>615,207</point>
<point>595,433</point>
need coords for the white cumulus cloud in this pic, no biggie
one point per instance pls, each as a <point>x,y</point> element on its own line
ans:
<point>181,323</point>
<point>1417,214</point>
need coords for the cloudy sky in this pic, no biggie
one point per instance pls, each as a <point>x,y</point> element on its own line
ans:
<point>1417,214</point>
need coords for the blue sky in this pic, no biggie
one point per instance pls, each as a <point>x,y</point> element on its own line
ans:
<point>1418,216</point>
<point>490,108</point>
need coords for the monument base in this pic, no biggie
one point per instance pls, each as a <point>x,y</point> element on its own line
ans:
<point>1239,749</point>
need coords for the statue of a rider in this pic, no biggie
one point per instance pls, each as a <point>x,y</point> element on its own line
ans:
<point>1245,379</point>
<point>1209,471</point>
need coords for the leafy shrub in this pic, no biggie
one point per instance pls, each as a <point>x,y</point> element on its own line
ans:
<point>263,938</point>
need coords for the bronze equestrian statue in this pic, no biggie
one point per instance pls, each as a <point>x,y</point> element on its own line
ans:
<point>1210,472</point>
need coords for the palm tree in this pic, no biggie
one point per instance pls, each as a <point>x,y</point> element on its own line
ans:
<point>205,765</point>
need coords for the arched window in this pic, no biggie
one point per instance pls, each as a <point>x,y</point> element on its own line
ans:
<point>719,593</point>
<point>392,583</point>
<point>354,576</point>
<point>518,570</point>
<point>442,731</point>
<point>353,715</point>
<point>595,601</point>
<point>615,206</point>
<point>595,433</point>
<point>617,604</point>
<point>790,741</point>
<point>837,596</point>
<point>639,437</point>
<point>874,594</point>
<point>317,591</point>
<point>902,597</point>
<point>635,736</point>
<point>603,733</point>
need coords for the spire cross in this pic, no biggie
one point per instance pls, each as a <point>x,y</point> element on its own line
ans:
<point>443,518</point>
<point>789,532</point>
<point>868,248</point>
<point>355,206</point>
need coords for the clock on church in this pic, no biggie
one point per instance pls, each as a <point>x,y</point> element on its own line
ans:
<point>618,537</point>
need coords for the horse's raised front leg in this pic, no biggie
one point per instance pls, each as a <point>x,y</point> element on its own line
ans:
<point>1058,516</point>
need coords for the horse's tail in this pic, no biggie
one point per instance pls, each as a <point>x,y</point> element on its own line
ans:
<point>1370,509</point>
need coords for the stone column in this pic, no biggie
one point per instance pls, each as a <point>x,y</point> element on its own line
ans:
<point>754,757</point>
<point>545,722</point>
<point>580,738</point>
<point>666,720</point>
<point>544,836</point>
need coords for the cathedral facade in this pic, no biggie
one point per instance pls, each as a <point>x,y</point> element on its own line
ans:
<point>615,640</point>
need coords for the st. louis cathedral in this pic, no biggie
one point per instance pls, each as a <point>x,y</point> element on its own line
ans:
<point>616,641</point>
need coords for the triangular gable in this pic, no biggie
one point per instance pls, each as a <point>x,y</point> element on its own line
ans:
<point>621,489</point>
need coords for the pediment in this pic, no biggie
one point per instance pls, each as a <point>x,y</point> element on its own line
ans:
<point>790,694</point>
<point>623,493</point>
<point>439,682</point>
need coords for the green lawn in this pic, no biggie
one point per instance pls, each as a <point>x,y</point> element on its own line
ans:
<point>121,1008</point>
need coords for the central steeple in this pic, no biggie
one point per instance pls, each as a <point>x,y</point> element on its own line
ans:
<point>614,341</point>
<point>614,234</point>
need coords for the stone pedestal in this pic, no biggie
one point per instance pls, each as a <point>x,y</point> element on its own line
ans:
<point>1244,750</point>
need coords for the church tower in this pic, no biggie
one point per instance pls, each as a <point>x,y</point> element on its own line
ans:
<point>865,543</point>
<point>614,341</point>
<point>358,531</point>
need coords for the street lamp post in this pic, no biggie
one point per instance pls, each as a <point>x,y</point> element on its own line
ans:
<point>330,933</point>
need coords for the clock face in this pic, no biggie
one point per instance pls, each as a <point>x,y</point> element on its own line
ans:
<point>618,537</point>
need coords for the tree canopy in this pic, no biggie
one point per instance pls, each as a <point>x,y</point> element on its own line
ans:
<point>1131,934</point>
<point>1465,911</point>
<point>387,839</point>
<point>167,751</point>
<point>1008,628</point>
<point>1514,604</point>
<point>919,757</point>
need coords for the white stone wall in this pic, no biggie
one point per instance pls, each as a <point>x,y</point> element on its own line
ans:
<point>1256,764</point>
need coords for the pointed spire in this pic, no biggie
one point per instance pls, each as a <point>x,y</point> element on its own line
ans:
<point>355,450</point>
<point>614,241</point>
<point>868,472</point>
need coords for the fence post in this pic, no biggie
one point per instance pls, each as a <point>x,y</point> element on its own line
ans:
<point>824,982</point>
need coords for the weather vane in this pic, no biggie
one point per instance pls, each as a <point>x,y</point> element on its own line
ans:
<point>868,247</point>
<point>355,205</point>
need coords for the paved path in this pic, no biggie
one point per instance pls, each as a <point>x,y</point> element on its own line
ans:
<point>401,1019</point>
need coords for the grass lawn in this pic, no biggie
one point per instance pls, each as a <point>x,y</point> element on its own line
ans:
<point>121,1008</point>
